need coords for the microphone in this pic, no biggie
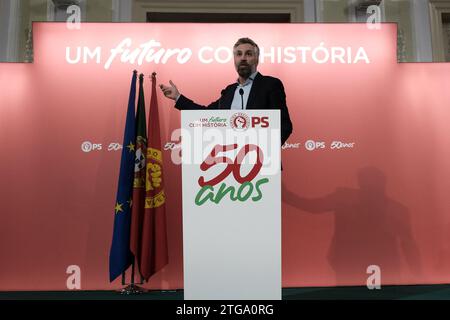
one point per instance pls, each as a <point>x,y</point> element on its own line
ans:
<point>241,92</point>
<point>221,96</point>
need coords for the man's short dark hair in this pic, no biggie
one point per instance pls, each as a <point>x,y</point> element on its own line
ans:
<point>249,41</point>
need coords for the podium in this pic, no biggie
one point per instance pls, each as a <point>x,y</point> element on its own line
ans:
<point>231,204</point>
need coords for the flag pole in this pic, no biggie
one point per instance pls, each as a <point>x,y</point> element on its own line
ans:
<point>131,288</point>
<point>132,272</point>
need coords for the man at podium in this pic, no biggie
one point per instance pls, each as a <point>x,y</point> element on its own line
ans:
<point>252,90</point>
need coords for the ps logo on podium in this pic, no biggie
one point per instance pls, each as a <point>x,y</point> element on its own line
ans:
<point>241,122</point>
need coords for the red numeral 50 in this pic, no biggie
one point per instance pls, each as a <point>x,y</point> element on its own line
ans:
<point>233,166</point>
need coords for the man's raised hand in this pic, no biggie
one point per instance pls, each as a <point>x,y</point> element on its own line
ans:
<point>171,91</point>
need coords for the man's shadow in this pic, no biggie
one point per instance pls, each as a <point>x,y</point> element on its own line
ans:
<point>370,229</point>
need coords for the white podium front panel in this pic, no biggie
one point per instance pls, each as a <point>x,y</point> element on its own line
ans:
<point>231,204</point>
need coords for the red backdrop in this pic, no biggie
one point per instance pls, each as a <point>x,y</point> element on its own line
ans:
<point>382,200</point>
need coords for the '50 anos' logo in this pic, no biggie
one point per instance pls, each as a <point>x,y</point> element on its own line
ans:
<point>246,189</point>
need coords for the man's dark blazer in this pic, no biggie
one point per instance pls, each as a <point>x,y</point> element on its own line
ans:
<point>266,93</point>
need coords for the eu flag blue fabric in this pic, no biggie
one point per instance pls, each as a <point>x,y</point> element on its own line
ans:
<point>121,257</point>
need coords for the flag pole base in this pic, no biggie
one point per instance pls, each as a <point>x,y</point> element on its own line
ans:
<point>132,289</point>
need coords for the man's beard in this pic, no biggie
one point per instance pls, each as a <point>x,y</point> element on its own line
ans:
<point>244,71</point>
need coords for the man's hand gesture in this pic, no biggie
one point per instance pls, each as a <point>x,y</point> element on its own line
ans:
<point>171,91</point>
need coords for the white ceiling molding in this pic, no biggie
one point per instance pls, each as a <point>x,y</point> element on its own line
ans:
<point>293,7</point>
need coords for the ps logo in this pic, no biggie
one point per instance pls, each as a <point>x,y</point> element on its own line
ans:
<point>263,122</point>
<point>240,121</point>
<point>311,145</point>
<point>87,146</point>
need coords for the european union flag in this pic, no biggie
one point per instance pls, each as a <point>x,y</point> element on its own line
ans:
<point>121,257</point>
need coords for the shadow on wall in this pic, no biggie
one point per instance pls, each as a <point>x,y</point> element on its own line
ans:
<point>370,229</point>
